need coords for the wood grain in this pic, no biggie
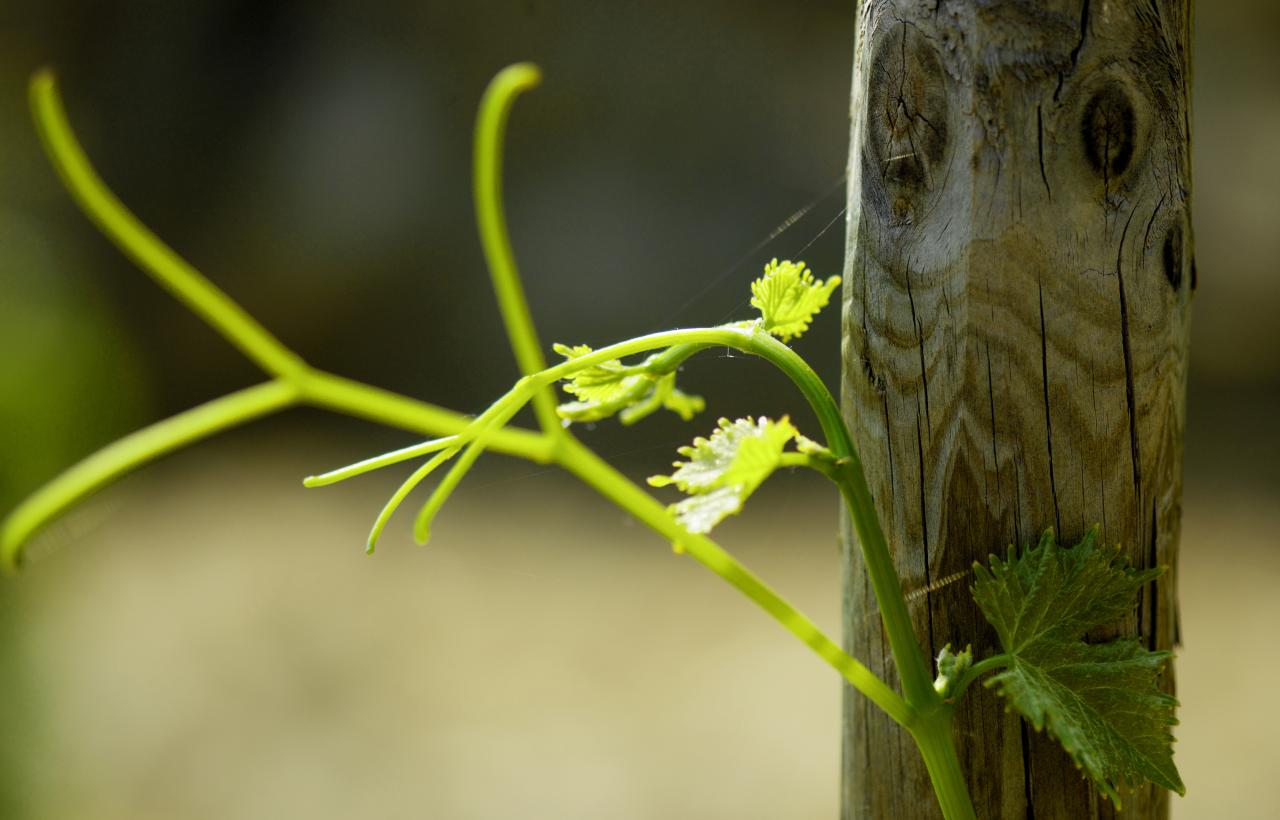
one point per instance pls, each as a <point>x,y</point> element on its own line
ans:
<point>1017,289</point>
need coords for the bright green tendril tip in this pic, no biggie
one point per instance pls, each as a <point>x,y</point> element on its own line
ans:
<point>378,462</point>
<point>491,222</point>
<point>402,492</point>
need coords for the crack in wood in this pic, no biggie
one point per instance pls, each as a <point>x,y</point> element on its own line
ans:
<point>1127,347</point>
<point>924,532</point>
<point>1048,418</point>
<point>1075,52</point>
<point>1097,432</point>
<point>1152,590</point>
<point>1027,792</point>
<point>1044,177</point>
<point>924,371</point>
<point>1146,236</point>
<point>991,396</point>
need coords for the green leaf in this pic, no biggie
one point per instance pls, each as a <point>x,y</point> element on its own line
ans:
<point>1101,701</point>
<point>667,396</point>
<point>724,470</point>
<point>631,391</point>
<point>700,513</point>
<point>788,298</point>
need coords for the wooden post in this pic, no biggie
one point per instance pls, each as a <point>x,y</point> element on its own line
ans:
<point>1016,303</point>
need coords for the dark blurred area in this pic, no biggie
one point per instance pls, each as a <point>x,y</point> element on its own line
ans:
<point>313,159</point>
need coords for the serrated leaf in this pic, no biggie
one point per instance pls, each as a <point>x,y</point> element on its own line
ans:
<point>630,391</point>
<point>723,470</point>
<point>667,396</point>
<point>700,513</point>
<point>1101,701</point>
<point>601,383</point>
<point>739,452</point>
<point>685,405</point>
<point>788,298</point>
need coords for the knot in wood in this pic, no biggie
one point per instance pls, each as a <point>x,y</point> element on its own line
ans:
<point>1109,132</point>
<point>907,126</point>
<point>1173,256</point>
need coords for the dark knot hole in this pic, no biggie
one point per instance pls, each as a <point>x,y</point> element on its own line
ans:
<point>1108,131</point>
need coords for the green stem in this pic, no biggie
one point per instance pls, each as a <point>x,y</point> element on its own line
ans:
<point>932,731</point>
<point>353,398</point>
<point>681,343</point>
<point>978,670</point>
<point>134,450</point>
<point>586,465</point>
<point>913,666</point>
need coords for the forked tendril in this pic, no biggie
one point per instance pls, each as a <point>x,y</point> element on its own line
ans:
<point>293,381</point>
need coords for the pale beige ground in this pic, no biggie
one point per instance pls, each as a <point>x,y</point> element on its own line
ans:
<point>218,647</point>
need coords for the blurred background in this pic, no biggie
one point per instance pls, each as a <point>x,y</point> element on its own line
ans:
<point>207,639</point>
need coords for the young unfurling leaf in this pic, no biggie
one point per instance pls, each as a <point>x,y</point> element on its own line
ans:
<point>951,668</point>
<point>631,391</point>
<point>1101,701</point>
<point>723,470</point>
<point>788,298</point>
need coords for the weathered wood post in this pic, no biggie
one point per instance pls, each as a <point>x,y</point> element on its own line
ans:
<point>1017,286</point>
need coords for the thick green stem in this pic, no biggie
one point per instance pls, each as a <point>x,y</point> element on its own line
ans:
<point>932,729</point>
<point>913,666</point>
<point>934,739</point>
